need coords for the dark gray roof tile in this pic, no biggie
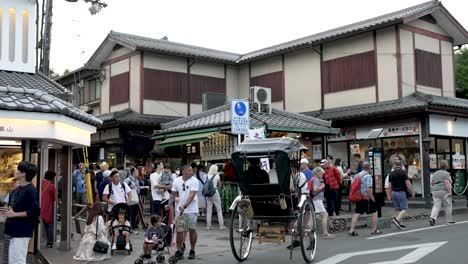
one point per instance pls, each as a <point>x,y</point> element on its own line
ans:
<point>129,117</point>
<point>36,81</point>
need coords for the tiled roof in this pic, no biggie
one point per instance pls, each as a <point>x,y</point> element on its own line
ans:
<point>417,101</point>
<point>173,48</point>
<point>129,117</point>
<point>277,120</point>
<point>34,100</point>
<point>366,25</point>
<point>32,81</point>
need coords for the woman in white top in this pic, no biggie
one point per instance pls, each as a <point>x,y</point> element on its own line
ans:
<point>85,249</point>
<point>215,199</point>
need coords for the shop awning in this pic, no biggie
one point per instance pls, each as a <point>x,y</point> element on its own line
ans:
<point>186,139</point>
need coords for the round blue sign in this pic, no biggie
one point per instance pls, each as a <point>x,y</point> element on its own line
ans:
<point>240,108</point>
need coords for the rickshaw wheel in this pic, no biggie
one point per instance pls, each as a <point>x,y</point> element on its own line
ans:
<point>307,231</point>
<point>240,236</point>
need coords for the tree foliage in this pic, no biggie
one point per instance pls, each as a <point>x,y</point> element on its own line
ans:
<point>461,65</point>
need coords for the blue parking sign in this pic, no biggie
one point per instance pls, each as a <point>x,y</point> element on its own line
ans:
<point>240,114</point>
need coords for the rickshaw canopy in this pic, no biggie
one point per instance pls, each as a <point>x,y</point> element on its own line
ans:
<point>269,145</point>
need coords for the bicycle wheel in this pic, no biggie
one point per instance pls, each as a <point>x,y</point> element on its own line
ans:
<point>240,236</point>
<point>307,231</point>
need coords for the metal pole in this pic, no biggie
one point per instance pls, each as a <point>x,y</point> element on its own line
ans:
<point>46,40</point>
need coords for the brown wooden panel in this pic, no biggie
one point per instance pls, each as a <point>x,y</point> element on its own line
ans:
<point>119,89</point>
<point>428,68</point>
<point>350,72</point>
<point>205,84</point>
<point>272,80</point>
<point>165,85</point>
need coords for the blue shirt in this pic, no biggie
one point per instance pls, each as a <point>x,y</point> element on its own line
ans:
<point>80,181</point>
<point>366,181</point>
<point>308,173</point>
<point>359,166</point>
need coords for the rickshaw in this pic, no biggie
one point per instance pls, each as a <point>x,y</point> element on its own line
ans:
<point>271,204</point>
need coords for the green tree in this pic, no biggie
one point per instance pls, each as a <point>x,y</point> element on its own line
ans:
<point>461,65</point>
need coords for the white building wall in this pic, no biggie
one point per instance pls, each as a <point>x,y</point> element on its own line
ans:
<point>135,91</point>
<point>426,43</point>
<point>407,63</point>
<point>302,81</point>
<point>348,46</point>
<point>153,107</point>
<point>269,65</point>
<point>232,82</point>
<point>195,109</point>
<point>165,63</point>
<point>387,64</point>
<point>448,81</point>
<point>105,91</point>
<point>244,81</point>
<point>120,52</point>
<point>120,67</point>
<point>429,90</point>
<point>427,26</point>
<point>350,97</point>
<point>119,107</point>
<point>208,69</point>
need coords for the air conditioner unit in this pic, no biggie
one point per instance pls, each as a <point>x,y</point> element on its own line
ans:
<point>260,99</point>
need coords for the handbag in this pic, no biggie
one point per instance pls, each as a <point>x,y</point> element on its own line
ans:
<point>99,246</point>
<point>135,199</point>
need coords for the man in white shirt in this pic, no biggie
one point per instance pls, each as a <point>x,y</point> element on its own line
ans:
<point>185,188</point>
<point>119,192</point>
<point>156,191</point>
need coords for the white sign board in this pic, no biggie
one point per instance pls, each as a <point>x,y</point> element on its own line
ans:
<point>240,113</point>
<point>256,134</point>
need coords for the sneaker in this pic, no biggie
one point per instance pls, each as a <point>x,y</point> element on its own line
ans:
<point>397,223</point>
<point>178,255</point>
<point>127,246</point>
<point>432,221</point>
<point>133,232</point>
<point>222,227</point>
<point>451,222</point>
<point>295,244</point>
<point>208,228</point>
<point>191,254</point>
<point>114,246</point>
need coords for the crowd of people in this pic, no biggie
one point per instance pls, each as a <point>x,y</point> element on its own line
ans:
<point>180,195</point>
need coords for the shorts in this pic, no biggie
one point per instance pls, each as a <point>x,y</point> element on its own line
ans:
<point>366,206</point>
<point>186,222</point>
<point>400,201</point>
<point>16,249</point>
<point>319,207</point>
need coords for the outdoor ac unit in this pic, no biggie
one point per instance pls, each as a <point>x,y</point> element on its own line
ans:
<point>260,99</point>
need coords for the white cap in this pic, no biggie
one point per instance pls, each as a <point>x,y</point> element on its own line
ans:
<point>304,160</point>
<point>106,173</point>
<point>323,162</point>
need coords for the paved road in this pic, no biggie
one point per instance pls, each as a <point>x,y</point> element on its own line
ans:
<point>418,244</point>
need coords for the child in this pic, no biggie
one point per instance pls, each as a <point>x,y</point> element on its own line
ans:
<point>154,236</point>
<point>120,222</point>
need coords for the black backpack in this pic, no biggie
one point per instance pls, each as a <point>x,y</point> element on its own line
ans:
<point>112,192</point>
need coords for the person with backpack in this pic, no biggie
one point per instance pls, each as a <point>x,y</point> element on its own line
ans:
<point>362,195</point>
<point>201,176</point>
<point>401,188</point>
<point>316,186</point>
<point>211,193</point>
<point>332,185</point>
<point>116,192</point>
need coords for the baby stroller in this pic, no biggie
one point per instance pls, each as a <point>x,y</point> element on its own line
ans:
<point>120,243</point>
<point>163,249</point>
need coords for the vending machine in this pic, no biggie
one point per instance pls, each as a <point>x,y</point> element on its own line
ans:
<point>376,160</point>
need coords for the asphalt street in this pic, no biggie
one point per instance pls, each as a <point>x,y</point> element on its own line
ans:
<point>418,244</point>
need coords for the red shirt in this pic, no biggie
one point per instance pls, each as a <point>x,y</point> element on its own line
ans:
<point>47,201</point>
<point>332,177</point>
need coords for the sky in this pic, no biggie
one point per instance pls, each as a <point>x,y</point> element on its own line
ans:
<point>238,26</point>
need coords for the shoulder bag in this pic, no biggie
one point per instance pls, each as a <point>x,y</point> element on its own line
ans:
<point>99,246</point>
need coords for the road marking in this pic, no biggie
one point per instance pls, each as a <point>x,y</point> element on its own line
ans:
<point>414,230</point>
<point>421,250</point>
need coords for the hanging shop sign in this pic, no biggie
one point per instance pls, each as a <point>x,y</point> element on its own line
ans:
<point>257,133</point>
<point>192,149</point>
<point>355,149</point>
<point>458,162</point>
<point>345,134</point>
<point>433,161</point>
<point>401,130</point>
<point>240,117</point>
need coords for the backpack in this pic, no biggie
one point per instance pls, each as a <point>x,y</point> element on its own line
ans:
<point>208,188</point>
<point>355,195</point>
<point>121,185</point>
<point>311,188</point>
